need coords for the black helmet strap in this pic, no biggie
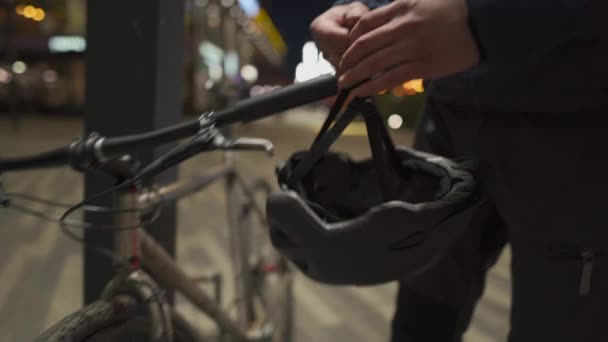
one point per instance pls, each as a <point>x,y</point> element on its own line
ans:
<point>321,145</point>
<point>387,161</point>
<point>384,154</point>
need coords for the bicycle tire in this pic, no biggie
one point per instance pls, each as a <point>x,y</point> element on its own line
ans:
<point>117,320</point>
<point>243,236</point>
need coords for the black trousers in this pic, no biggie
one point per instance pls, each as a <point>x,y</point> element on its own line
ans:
<point>544,180</point>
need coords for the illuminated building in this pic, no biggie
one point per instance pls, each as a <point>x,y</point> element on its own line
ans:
<point>230,45</point>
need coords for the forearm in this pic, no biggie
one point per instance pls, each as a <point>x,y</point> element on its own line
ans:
<point>518,31</point>
<point>369,3</point>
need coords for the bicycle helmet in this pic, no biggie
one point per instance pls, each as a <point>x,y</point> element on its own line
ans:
<point>366,222</point>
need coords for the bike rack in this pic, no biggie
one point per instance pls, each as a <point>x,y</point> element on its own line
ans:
<point>216,280</point>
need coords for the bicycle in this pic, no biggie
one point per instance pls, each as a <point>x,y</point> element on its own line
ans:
<point>132,304</point>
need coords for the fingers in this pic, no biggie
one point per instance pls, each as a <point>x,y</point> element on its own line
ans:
<point>375,30</point>
<point>378,62</point>
<point>331,38</point>
<point>352,17</point>
<point>330,29</point>
<point>392,78</point>
<point>376,18</point>
<point>334,60</point>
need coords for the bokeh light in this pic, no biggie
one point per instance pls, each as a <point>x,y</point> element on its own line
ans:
<point>39,14</point>
<point>19,67</point>
<point>5,76</point>
<point>249,73</point>
<point>395,121</point>
<point>50,76</point>
<point>29,11</point>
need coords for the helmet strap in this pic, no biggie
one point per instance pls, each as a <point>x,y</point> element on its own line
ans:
<point>384,154</point>
<point>333,114</point>
<point>322,145</point>
<point>386,160</point>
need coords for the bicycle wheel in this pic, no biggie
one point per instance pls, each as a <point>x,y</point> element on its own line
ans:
<point>117,320</point>
<point>262,277</point>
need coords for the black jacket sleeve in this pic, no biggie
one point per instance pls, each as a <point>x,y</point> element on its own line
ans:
<point>516,31</point>
<point>369,3</point>
<point>520,31</point>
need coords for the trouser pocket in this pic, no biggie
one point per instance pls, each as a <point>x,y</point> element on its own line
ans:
<point>560,295</point>
<point>587,257</point>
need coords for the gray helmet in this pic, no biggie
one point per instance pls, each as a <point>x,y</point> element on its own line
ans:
<point>366,222</point>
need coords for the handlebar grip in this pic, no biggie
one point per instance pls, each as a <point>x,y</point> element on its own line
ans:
<point>279,100</point>
<point>55,157</point>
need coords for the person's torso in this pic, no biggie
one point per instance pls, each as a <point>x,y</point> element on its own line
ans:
<point>571,76</point>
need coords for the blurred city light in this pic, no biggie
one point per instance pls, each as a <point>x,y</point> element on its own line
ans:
<point>50,76</point>
<point>29,11</point>
<point>209,84</point>
<point>401,91</point>
<point>313,64</point>
<point>211,53</point>
<point>19,67</point>
<point>67,44</point>
<point>250,7</point>
<point>216,72</point>
<point>413,87</point>
<point>310,53</point>
<point>395,121</point>
<point>5,76</point>
<point>39,15</point>
<point>263,21</point>
<point>231,64</point>
<point>418,86</point>
<point>249,73</point>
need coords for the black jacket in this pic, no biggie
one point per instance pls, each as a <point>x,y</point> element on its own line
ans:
<point>537,55</point>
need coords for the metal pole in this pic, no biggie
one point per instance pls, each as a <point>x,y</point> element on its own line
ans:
<point>134,84</point>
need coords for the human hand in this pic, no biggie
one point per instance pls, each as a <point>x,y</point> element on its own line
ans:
<point>330,29</point>
<point>405,40</point>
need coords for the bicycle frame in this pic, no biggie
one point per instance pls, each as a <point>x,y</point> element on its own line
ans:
<point>96,151</point>
<point>137,244</point>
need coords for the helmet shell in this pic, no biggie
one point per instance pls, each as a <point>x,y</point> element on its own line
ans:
<point>382,242</point>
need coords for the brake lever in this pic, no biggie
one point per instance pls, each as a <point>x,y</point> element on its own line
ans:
<point>209,139</point>
<point>248,144</point>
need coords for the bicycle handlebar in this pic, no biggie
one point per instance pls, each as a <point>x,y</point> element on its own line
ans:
<point>259,107</point>
<point>245,111</point>
<point>45,159</point>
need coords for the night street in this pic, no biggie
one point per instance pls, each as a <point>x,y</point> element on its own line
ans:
<point>41,273</point>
